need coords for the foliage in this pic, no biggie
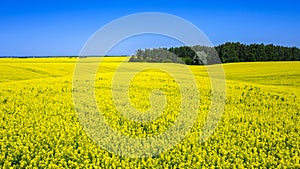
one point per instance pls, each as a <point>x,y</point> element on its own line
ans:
<point>228,53</point>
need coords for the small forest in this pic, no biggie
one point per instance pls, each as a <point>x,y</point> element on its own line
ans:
<point>226,53</point>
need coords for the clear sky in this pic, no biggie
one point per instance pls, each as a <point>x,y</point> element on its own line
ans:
<point>61,27</point>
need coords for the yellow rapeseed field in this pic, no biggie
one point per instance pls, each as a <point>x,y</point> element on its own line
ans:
<point>39,126</point>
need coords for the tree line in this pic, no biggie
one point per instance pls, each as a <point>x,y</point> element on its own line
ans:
<point>226,53</point>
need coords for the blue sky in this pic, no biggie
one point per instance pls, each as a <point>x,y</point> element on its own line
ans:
<point>44,27</point>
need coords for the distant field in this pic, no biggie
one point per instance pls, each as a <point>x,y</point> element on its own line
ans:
<point>39,127</point>
<point>264,73</point>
